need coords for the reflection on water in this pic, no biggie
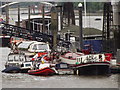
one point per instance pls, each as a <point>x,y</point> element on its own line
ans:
<point>58,81</point>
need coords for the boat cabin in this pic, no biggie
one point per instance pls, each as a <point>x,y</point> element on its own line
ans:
<point>34,46</point>
<point>90,58</point>
<point>26,65</point>
<point>15,60</point>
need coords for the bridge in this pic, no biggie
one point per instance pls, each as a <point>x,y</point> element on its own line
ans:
<point>20,32</point>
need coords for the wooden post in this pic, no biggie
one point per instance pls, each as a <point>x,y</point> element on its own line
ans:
<point>54,26</point>
<point>7,13</point>
<point>43,19</point>
<point>61,17</point>
<point>18,15</point>
<point>80,27</point>
<point>29,18</point>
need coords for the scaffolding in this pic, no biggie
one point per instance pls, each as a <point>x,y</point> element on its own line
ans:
<point>107,30</point>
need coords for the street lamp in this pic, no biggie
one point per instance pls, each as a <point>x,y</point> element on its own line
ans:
<point>80,27</point>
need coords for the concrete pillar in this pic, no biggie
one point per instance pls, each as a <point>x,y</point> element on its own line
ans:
<point>116,13</point>
<point>116,24</point>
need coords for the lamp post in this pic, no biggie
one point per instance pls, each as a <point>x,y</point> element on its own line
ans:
<point>80,27</point>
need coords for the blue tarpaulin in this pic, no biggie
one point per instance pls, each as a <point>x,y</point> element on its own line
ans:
<point>96,45</point>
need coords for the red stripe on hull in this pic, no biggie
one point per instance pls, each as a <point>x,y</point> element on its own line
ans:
<point>44,72</point>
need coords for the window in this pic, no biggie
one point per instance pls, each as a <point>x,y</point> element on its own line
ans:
<point>35,47</point>
<point>42,47</point>
<point>27,65</point>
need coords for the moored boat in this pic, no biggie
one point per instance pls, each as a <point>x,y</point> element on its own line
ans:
<point>93,64</point>
<point>63,69</point>
<point>11,69</point>
<point>43,69</point>
<point>42,72</point>
<point>17,63</point>
<point>88,64</point>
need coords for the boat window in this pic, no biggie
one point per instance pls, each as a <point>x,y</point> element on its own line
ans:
<point>42,47</point>
<point>63,66</point>
<point>16,58</point>
<point>35,47</point>
<point>24,45</point>
<point>79,59</point>
<point>27,64</point>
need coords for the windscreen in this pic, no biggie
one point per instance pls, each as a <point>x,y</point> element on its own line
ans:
<point>42,47</point>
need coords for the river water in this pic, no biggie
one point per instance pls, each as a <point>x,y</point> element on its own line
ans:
<point>20,80</point>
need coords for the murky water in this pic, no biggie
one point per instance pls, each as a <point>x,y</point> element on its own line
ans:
<point>57,81</point>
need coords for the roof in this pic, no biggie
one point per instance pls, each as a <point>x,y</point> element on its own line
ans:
<point>86,31</point>
<point>25,17</point>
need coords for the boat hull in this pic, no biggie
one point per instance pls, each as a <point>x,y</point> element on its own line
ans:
<point>98,68</point>
<point>11,70</point>
<point>24,70</point>
<point>42,72</point>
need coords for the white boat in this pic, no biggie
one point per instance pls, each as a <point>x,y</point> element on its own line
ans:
<point>18,61</point>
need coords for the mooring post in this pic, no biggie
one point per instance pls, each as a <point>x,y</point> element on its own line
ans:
<point>43,19</point>
<point>18,15</point>
<point>54,25</point>
<point>7,13</point>
<point>29,18</point>
<point>80,27</point>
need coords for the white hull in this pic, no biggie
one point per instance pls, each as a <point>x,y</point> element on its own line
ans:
<point>68,61</point>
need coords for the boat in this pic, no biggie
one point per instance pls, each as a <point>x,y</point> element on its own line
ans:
<point>64,69</point>
<point>88,64</point>
<point>11,69</point>
<point>43,70</point>
<point>17,63</point>
<point>93,64</point>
